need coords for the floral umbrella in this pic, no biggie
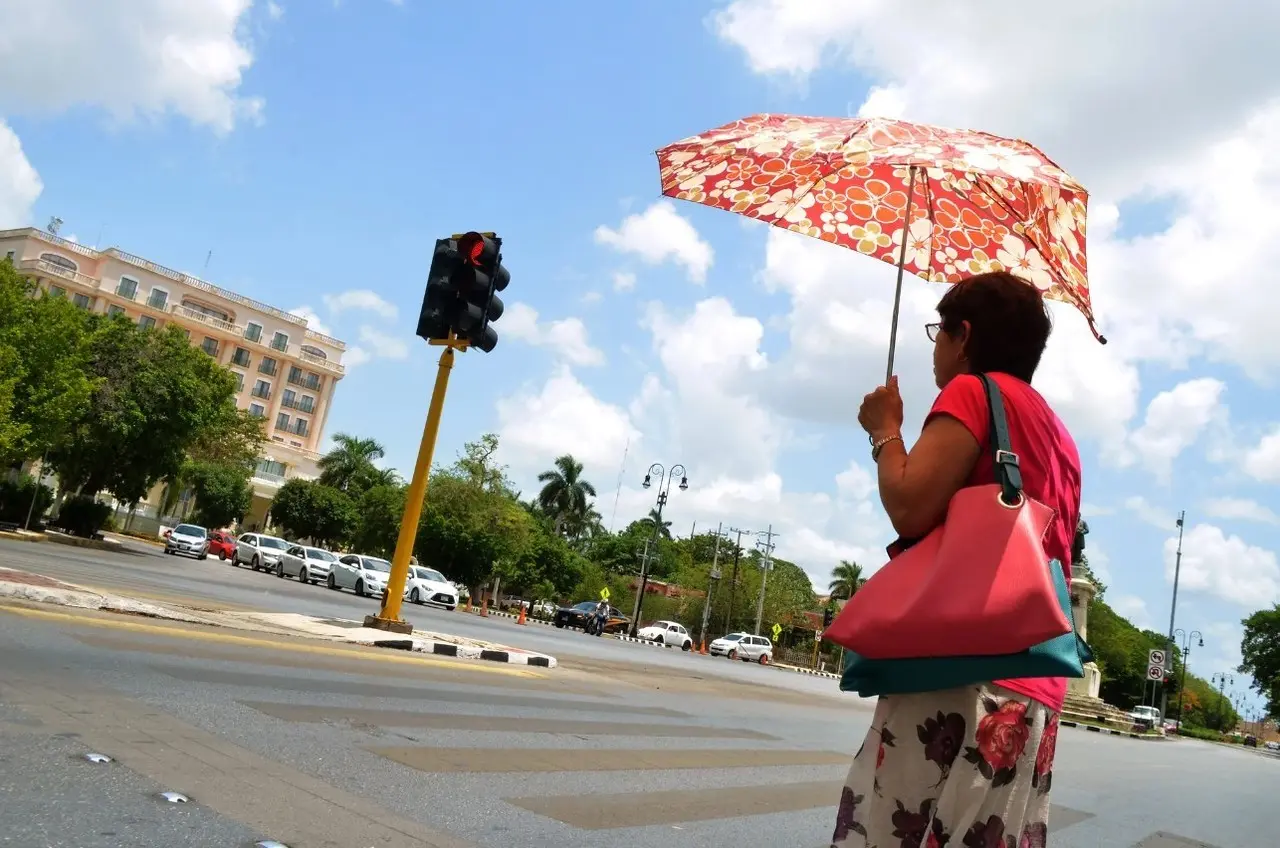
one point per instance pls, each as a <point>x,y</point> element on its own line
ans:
<point>943,204</point>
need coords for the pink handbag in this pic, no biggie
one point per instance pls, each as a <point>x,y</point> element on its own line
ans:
<point>977,585</point>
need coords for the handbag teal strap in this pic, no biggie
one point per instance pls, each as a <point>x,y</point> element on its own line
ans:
<point>1008,472</point>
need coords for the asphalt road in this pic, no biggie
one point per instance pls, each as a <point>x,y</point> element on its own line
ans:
<point>147,573</point>
<point>327,746</point>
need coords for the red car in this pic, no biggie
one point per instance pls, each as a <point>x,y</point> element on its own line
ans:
<point>223,544</point>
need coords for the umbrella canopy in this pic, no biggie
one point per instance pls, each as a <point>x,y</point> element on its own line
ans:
<point>943,204</point>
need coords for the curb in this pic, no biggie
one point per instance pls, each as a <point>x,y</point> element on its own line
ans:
<point>638,641</point>
<point>1093,728</point>
<point>464,652</point>
<point>527,619</point>
<point>810,671</point>
<point>23,537</point>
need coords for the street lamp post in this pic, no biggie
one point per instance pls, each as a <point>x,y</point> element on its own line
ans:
<point>665,478</point>
<point>1186,652</point>
<point>711,588</point>
<point>1222,679</point>
<point>1173,609</point>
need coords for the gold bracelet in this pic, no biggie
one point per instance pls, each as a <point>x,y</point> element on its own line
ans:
<point>878,446</point>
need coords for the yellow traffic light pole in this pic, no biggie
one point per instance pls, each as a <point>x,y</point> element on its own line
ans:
<point>388,618</point>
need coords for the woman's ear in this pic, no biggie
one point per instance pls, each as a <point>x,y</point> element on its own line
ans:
<point>965,330</point>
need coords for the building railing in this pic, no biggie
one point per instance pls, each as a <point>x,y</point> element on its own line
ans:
<point>313,384</point>
<point>306,405</point>
<point>321,362</point>
<point>45,235</point>
<point>207,320</point>
<point>46,267</point>
<point>268,367</point>
<point>323,339</point>
<point>265,394</point>
<point>241,358</point>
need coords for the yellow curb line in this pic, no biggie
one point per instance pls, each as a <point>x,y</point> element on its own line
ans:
<point>250,642</point>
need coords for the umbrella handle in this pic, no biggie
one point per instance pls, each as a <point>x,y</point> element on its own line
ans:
<point>902,261</point>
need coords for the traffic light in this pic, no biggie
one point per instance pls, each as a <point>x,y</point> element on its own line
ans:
<point>462,284</point>
<point>827,615</point>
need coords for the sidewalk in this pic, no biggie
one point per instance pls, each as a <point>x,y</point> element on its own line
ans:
<point>26,586</point>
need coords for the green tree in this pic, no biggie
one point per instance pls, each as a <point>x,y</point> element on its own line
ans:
<point>477,463</point>
<point>653,519</point>
<point>565,495</point>
<point>846,580</point>
<point>349,467</point>
<point>1260,650</point>
<point>380,511</point>
<point>470,533</point>
<point>308,509</point>
<point>223,494</point>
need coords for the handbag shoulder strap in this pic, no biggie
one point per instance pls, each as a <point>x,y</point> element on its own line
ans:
<point>1008,472</point>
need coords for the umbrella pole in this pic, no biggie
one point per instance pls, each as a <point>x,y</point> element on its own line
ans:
<point>902,261</point>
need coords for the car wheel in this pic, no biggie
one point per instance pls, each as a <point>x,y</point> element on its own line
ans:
<point>302,573</point>
<point>687,646</point>
<point>222,555</point>
<point>414,597</point>
<point>733,654</point>
<point>764,659</point>
<point>254,563</point>
<point>203,557</point>
<point>331,583</point>
<point>360,588</point>
<point>658,640</point>
<point>280,570</point>
<point>452,608</point>
<point>560,623</point>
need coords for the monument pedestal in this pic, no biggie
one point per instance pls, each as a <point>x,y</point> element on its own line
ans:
<point>1082,591</point>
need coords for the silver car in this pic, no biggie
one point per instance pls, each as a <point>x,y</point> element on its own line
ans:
<point>259,551</point>
<point>188,539</point>
<point>364,575</point>
<point>743,646</point>
<point>309,565</point>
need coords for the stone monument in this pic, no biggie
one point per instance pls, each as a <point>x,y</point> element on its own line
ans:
<point>1082,591</point>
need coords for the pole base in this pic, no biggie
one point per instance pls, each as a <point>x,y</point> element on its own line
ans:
<point>391,625</point>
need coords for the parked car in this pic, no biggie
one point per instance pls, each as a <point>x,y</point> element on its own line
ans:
<point>222,544</point>
<point>1145,716</point>
<point>667,633</point>
<point>743,646</point>
<point>577,615</point>
<point>309,565</point>
<point>259,551</point>
<point>428,586</point>
<point>364,575</point>
<point>189,540</point>
<point>1251,741</point>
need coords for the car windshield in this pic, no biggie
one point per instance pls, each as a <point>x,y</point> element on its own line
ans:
<point>733,637</point>
<point>272,542</point>
<point>429,574</point>
<point>190,530</point>
<point>662,624</point>
<point>587,605</point>
<point>375,564</point>
<point>323,556</point>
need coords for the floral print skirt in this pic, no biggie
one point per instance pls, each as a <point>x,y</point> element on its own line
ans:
<point>966,768</point>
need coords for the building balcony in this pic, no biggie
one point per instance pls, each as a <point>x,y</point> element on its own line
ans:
<point>207,320</point>
<point>312,385</point>
<point>321,362</point>
<point>42,266</point>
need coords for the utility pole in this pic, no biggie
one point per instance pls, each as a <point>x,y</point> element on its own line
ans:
<point>711,585</point>
<point>733,583</point>
<point>765,562</point>
<point>1173,610</point>
<point>644,571</point>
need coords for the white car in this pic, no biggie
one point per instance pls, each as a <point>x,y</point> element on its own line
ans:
<point>364,575</point>
<point>309,565</point>
<point>667,633</point>
<point>1149,716</point>
<point>259,551</point>
<point>187,539</point>
<point>743,646</point>
<point>428,586</point>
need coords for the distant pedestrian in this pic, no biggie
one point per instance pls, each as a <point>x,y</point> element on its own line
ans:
<point>971,765</point>
<point>601,617</point>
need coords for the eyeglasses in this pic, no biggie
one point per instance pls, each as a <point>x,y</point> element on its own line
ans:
<point>932,330</point>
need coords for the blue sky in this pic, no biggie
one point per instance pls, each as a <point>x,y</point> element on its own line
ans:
<point>319,149</point>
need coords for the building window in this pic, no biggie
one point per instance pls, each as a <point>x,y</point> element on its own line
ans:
<point>307,404</point>
<point>290,398</point>
<point>261,389</point>
<point>256,410</point>
<point>295,374</point>
<point>239,381</point>
<point>267,366</point>
<point>196,306</point>
<point>82,301</point>
<point>146,322</point>
<point>282,421</point>
<point>57,291</point>
<point>269,469</point>
<point>299,427</point>
<point>210,346</point>
<point>113,310</point>
<point>240,357</point>
<point>253,331</point>
<point>9,256</point>
<point>315,351</point>
<point>159,299</point>
<point>60,261</point>
<point>128,288</point>
<point>280,341</point>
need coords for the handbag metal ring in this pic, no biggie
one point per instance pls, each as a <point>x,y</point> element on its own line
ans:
<point>1014,505</point>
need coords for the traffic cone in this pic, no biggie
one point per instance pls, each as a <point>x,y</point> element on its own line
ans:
<point>468,603</point>
<point>520,620</point>
<point>484,607</point>
<point>703,649</point>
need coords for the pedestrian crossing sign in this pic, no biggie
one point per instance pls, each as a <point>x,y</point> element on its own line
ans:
<point>604,594</point>
<point>777,631</point>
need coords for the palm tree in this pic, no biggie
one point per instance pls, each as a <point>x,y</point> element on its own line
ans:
<point>846,580</point>
<point>651,520</point>
<point>565,496</point>
<point>350,464</point>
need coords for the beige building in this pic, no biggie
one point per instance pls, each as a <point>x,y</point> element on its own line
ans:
<point>287,372</point>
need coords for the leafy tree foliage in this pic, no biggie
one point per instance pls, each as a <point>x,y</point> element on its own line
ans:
<point>309,509</point>
<point>223,495</point>
<point>1260,650</point>
<point>565,495</point>
<point>846,580</point>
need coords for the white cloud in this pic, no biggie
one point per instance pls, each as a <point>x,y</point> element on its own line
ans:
<point>360,300</point>
<point>623,281</point>
<point>1131,607</point>
<point>274,10</point>
<point>1241,509</point>
<point>565,338</point>
<point>355,356</point>
<point>1224,566</point>
<point>1174,421</point>
<point>1152,515</point>
<point>378,342</point>
<point>591,298</point>
<point>312,318</point>
<point>20,185</point>
<point>1262,462</point>
<point>660,234</point>
<point>146,58</point>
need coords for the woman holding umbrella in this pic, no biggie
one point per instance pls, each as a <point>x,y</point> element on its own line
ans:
<point>972,765</point>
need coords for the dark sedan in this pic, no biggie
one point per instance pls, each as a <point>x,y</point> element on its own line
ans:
<point>577,615</point>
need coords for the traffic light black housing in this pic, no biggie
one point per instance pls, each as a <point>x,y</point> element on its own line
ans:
<point>827,615</point>
<point>462,285</point>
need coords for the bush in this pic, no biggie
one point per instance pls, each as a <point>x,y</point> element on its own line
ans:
<point>1201,733</point>
<point>83,516</point>
<point>15,500</point>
